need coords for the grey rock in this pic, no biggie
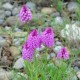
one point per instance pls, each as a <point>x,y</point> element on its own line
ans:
<point>56,49</point>
<point>73,16</point>
<point>53,55</point>
<point>72,6</point>
<point>16,11</point>
<point>1,21</point>
<point>37,16</point>
<point>71,32</point>
<point>43,2</point>
<point>31,5</point>
<point>4,60</point>
<point>7,6</point>
<point>78,74</point>
<point>14,51</point>
<point>16,42</point>
<point>5,75</point>
<point>19,64</point>
<point>2,41</point>
<point>20,34</point>
<point>13,20</point>
<point>7,1</point>
<point>0,52</point>
<point>58,43</point>
<point>7,28</point>
<point>41,48</point>
<point>8,13</point>
<point>18,30</point>
<point>38,55</point>
<point>55,14</point>
<point>47,10</point>
<point>58,20</point>
<point>2,14</point>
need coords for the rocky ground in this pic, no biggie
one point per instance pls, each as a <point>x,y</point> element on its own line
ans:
<point>13,33</point>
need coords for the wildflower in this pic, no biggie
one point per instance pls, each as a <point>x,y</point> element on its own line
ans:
<point>27,53</point>
<point>34,39</point>
<point>63,53</point>
<point>25,14</point>
<point>48,37</point>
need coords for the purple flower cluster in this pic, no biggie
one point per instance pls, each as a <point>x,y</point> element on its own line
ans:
<point>25,14</point>
<point>48,37</point>
<point>27,53</point>
<point>63,54</point>
<point>34,41</point>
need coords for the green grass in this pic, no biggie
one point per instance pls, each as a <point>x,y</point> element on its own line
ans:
<point>43,69</point>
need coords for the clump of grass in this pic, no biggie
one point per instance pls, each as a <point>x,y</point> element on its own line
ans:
<point>77,12</point>
<point>78,1</point>
<point>48,70</point>
<point>60,6</point>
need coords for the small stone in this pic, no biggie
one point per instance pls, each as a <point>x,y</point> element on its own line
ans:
<point>7,28</point>
<point>0,52</point>
<point>58,20</point>
<point>19,64</point>
<point>47,10</point>
<point>2,14</point>
<point>78,74</point>
<point>12,20</point>
<point>15,51</point>
<point>58,43</point>
<point>56,14</point>
<point>16,42</point>
<point>71,32</point>
<point>37,16</point>
<point>5,75</point>
<point>8,13</point>
<point>52,55</point>
<point>73,16</point>
<point>72,6</point>
<point>18,30</point>
<point>2,70</point>
<point>1,21</point>
<point>7,6</point>
<point>2,41</point>
<point>56,49</point>
<point>16,11</point>
<point>38,55</point>
<point>4,60</point>
<point>20,34</point>
<point>41,48</point>
<point>7,1</point>
<point>31,5</point>
<point>56,39</point>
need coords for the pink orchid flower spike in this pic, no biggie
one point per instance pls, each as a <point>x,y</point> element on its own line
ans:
<point>63,54</point>
<point>27,53</point>
<point>25,14</point>
<point>48,37</point>
<point>34,39</point>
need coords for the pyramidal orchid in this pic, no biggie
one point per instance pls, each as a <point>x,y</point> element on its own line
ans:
<point>27,53</point>
<point>25,14</point>
<point>63,54</point>
<point>48,37</point>
<point>34,39</point>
